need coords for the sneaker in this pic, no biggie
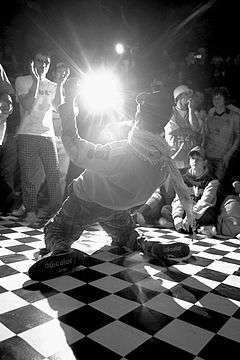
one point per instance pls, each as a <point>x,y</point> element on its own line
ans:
<point>207,230</point>
<point>56,264</point>
<point>171,251</point>
<point>164,223</point>
<point>18,212</point>
<point>30,218</point>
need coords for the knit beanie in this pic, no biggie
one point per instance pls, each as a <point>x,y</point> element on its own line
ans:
<point>153,109</point>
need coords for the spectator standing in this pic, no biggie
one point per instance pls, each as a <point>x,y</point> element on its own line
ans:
<point>182,132</point>
<point>62,154</point>
<point>63,157</point>
<point>218,72</point>
<point>221,135</point>
<point>6,109</point>
<point>36,145</point>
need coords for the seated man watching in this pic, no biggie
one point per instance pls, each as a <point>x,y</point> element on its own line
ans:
<point>203,189</point>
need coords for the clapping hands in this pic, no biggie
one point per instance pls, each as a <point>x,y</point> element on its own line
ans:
<point>34,71</point>
<point>63,76</point>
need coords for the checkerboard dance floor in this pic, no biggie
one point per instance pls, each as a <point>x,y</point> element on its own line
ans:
<point>121,305</point>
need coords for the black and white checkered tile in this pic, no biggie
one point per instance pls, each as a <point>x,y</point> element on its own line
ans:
<point>121,305</point>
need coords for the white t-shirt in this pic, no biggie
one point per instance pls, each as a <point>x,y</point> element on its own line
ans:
<point>38,120</point>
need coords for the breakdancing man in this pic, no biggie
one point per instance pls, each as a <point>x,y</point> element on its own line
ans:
<point>119,176</point>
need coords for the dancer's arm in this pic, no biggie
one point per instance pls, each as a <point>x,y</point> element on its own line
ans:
<point>95,157</point>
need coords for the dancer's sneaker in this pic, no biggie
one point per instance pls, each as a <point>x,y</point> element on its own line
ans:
<point>55,264</point>
<point>171,250</point>
<point>207,230</point>
<point>164,223</point>
<point>155,249</point>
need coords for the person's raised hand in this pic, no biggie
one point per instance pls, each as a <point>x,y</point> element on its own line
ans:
<point>190,104</point>
<point>34,71</point>
<point>63,76</point>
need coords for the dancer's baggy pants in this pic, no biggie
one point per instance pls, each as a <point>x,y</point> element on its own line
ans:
<point>76,214</point>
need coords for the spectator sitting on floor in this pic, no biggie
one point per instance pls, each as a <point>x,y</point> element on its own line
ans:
<point>228,222</point>
<point>203,188</point>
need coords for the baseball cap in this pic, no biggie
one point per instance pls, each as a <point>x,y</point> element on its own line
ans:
<point>180,90</point>
<point>197,150</point>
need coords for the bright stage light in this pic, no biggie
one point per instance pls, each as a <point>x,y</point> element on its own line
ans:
<point>101,92</point>
<point>119,49</point>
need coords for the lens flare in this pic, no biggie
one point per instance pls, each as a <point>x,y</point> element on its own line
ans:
<point>101,92</point>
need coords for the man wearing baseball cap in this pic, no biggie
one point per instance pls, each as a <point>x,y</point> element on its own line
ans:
<point>203,189</point>
<point>182,131</point>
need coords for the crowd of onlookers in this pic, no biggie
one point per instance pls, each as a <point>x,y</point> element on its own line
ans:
<point>202,127</point>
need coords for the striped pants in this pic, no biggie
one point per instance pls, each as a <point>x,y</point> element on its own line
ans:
<point>38,153</point>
